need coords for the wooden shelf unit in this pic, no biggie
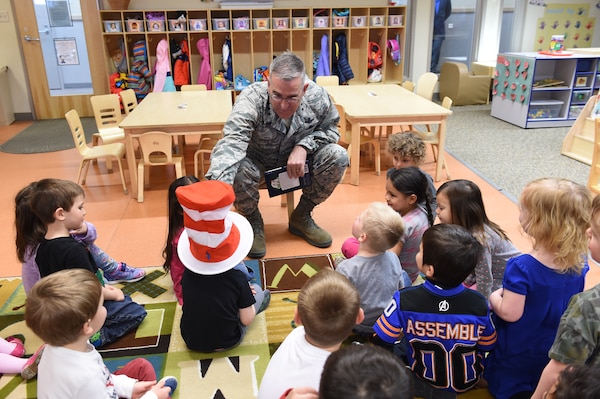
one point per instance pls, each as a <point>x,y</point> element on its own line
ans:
<point>254,47</point>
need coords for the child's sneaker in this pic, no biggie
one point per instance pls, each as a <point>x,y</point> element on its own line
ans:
<point>31,367</point>
<point>170,382</point>
<point>124,274</point>
<point>18,340</point>
<point>265,302</point>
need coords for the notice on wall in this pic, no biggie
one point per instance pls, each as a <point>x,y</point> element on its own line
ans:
<point>66,51</point>
<point>571,20</point>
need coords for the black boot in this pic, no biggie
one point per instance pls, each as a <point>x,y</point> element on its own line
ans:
<point>303,225</point>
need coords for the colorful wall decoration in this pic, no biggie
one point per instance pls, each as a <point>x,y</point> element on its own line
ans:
<point>571,20</point>
<point>513,78</point>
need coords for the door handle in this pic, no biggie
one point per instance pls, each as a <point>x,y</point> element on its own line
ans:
<point>46,31</point>
<point>31,39</point>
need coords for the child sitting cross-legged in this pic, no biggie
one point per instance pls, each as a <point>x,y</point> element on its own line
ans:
<point>65,309</point>
<point>375,271</point>
<point>447,327</point>
<point>328,308</point>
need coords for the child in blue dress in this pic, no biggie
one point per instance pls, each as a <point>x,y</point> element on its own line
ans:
<point>537,286</point>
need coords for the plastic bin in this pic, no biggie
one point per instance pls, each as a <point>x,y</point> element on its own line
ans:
<point>220,23</point>
<point>112,26</point>
<point>281,23</point>
<point>198,24</point>
<point>580,96</point>
<point>544,109</point>
<point>261,23</point>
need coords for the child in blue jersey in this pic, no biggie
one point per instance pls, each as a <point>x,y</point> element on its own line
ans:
<point>537,286</point>
<point>460,202</point>
<point>447,326</point>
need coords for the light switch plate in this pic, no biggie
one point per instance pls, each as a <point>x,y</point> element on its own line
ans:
<point>3,16</point>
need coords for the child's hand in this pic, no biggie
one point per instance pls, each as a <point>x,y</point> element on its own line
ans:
<point>82,230</point>
<point>252,288</point>
<point>140,388</point>
<point>161,391</point>
<point>113,294</point>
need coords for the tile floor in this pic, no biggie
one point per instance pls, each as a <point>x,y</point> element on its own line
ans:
<point>135,232</point>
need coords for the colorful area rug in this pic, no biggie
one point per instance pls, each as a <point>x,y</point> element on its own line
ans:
<point>231,374</point>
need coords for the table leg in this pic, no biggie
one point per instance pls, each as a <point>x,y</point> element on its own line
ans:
<point>131,163</point>
<point>355,154</point>
<point>441,151</point>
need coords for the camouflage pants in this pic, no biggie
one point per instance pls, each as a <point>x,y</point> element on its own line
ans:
<point>328,164</point>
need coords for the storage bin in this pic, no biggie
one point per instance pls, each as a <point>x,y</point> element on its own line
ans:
<point>395,20</point>
<point>359,21</point>
<point>543,109</point>
<point>155,25</point>
<point>580,96</point>
<point>340,21</point>
<point>377,20</point>
<point>220,23</point>
<point>320,22</point>
<point>241,23</point>
<point>575,110</point>
<point>280,23</point>
<point>198,24</point>
<point>583,80</point>
<point>176,25</point>
<point>261,23</point>
<point>300,22</point>
<point>135,25</point>
<point>112,26</point>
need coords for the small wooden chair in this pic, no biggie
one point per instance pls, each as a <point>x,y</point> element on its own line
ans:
<point>199,87</point>
<point>332,80</point>
<point>157,150</point>
<point>346,140</point>
<point>107,112</point>
<point>88,154</point>
<point>129,100</point>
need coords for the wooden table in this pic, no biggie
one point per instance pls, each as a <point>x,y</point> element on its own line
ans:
<point>387,105</point>
<point>177,113</point>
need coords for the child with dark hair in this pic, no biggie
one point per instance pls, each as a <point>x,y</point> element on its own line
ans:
<point>328,308</point>
<point>30,231</point>
<point>447,327</point>
<point>59,205</point>
<point>365,372</point>
<point>576,382</point>
<point>375,271</point>
<point>460,202</point>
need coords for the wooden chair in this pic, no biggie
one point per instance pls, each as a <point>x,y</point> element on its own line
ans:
<point>199,87</point>
<point>408,85</point>
<point>157,150</point>
<point>332,80</point>
<point>432,137</point>
<point>88,154</point>
<point>346,139</point>
<point>107,112</point>
<point>129,100</point>
<point>594,178</point>
<point>426,85</point>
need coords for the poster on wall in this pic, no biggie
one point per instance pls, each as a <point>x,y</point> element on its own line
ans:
<point>571,20</point>
<point>66,51</point>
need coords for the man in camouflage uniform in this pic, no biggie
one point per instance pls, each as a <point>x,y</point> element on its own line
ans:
<point>284,121</point>
<point>577,339</point>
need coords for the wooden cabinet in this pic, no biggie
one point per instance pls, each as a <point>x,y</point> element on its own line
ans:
<point>533,90</point>
<point>259,35</point>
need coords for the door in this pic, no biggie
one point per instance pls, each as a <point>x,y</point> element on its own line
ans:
<point>48,98</point>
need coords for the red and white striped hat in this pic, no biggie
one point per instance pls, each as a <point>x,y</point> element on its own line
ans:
<point>214,239</point>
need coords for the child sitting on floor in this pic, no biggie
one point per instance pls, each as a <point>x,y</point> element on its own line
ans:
<point>375,271</point>
<point>30,231</point>
<point>218,302</point>
<point>65,309</point>
<point>328,308</point>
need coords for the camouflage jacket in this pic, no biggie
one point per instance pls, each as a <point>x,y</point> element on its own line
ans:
<point>578,336</point>
<point>253,129</point>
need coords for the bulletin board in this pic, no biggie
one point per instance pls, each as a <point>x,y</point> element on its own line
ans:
<point>571,20</point>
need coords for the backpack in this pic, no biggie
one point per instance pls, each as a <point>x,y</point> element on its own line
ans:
<point>375,57</point>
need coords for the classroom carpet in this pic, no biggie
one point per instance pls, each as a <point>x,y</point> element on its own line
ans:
<point>232,374</point>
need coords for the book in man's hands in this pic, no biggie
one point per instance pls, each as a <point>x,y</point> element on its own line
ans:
<point>278,182</point>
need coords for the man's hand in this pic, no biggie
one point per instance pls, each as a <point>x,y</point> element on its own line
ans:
<point>296,161</point>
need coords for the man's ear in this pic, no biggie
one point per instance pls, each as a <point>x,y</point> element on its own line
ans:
<point>361,316</point>
<point>305,88</point>
<point>59,214</point>
<point>297,317</point>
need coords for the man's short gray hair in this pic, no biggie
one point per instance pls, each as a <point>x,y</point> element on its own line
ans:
<point>287,66</point>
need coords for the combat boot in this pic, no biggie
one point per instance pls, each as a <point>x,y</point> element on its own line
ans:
<point>303,225</point>
<point>259,246</point>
